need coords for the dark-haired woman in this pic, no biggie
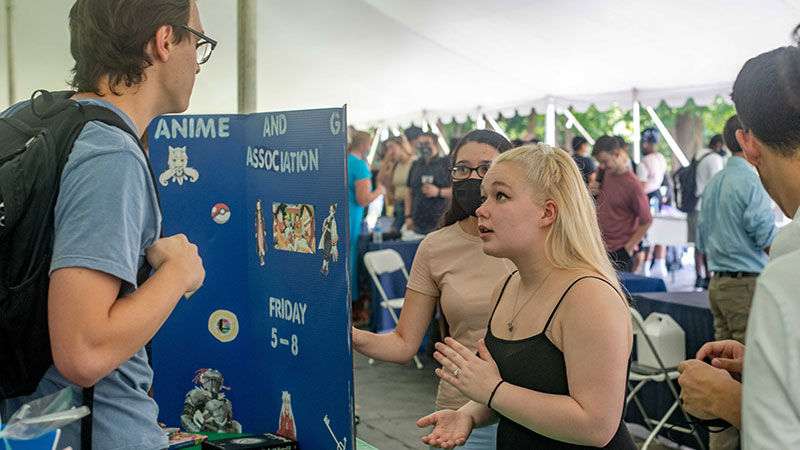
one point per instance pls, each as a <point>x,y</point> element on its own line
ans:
<point>450,268</point>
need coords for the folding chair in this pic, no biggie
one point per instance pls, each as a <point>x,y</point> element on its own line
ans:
<point>641,375</point>
<point>377,263</point>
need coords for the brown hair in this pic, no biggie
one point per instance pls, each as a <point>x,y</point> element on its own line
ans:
<point>110,38</point>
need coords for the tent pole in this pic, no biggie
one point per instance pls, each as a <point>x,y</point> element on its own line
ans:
<point>637,130</point>
<point>571,118</point>
<point>550,123</point>
<point>246,33</point>
<point>374,146</point>
<point>496,126</point>
<point>668,137</point>
<point>12,95</point>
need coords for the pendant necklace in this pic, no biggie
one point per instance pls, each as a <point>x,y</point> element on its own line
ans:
<point>510,324</point>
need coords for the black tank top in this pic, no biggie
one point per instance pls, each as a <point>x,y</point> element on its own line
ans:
<point>535,363</point>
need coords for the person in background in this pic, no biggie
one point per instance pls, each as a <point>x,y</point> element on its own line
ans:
<point>361,194</point>
<point>734,230</point>
<point>402,157</point>
<point>412,133</point>
<point>428,186</point>
<point>553,366</point>
<point>708,164</point>
<point>651,171</point>
<point>449,270</point>
<point>756,390</point>
<point>622,208</point>
<point>580,147</point>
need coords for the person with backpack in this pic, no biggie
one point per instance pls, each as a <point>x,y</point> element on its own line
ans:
<point>137,59</point>
<point>705,164</point>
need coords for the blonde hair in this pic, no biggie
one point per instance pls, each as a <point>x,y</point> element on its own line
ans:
<point>400,141</point>
<point>573,240</point>
<point>357,138</point>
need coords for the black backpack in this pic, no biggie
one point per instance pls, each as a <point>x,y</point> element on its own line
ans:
<point>685,181</point>
<point>35,143</point>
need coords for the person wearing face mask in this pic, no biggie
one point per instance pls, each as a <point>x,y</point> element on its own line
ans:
<point>428,186</point>
<point>451,270</point>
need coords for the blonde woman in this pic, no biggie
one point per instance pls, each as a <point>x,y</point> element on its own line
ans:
<point>400,156</point>
<point>450,270</point>
<point>554,364</point>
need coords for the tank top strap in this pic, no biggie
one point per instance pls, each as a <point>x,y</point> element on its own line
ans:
<point>552,314</point>
<point>501,295</point>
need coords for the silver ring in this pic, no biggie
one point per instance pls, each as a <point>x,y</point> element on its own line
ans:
<point>455,372</point>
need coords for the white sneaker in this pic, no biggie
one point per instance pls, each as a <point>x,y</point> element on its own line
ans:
<point>659,269</point>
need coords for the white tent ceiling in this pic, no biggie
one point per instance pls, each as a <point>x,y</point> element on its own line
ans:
<point>397,61</point>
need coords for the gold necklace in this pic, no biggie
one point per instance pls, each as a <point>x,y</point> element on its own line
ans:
<point>510,324</point>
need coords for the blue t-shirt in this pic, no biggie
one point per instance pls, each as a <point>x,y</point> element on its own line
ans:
<point>105,217</point>
<point>357,169</point>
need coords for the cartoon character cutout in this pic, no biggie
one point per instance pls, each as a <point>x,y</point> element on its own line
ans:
<point>286,422</point>
<point>206,408</point>
<point>178,169</point>
<point>261,233</point>
<point>328,239</point>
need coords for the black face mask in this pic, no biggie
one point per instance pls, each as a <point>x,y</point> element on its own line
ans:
<point>468,195</point>
<point>424,151</point>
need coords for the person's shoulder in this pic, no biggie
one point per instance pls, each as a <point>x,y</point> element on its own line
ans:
<point>11,110</point>
<point>591,293</point>
<point>437,237</point>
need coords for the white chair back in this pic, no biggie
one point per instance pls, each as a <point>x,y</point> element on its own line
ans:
<point>383,261</point>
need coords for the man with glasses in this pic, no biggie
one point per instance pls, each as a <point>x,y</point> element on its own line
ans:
<point>138,58</point>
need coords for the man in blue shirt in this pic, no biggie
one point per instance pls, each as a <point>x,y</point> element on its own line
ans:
<point>107,220</point>
<point>735,229</point>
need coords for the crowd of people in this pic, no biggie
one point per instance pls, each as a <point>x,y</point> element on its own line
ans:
<point>550,229</point>
<point>521,252</point>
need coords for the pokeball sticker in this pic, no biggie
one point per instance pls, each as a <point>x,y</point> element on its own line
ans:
<point>223,325</point>
<point>220,213</point>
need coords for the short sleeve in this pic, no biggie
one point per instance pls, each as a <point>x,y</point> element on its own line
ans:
<point>640,203</point>
<point>421,276</point>
<point>362,170</point>
<point>641,171</point>
<point>100,215</point>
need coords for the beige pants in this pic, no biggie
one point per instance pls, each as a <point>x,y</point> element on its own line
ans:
<point>730,300</point>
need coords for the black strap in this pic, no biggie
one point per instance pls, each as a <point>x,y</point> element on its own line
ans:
<point>552,314</point>
<point>500,296</point>
<point>86,422</point>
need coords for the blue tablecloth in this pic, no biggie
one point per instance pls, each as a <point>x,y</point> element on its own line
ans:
<point>638,283</point>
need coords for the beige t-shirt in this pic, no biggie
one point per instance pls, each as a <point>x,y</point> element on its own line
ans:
<point>450,265</point>
<point>400,178</point>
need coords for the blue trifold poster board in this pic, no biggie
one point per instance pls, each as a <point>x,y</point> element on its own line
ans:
<point>264,345</point>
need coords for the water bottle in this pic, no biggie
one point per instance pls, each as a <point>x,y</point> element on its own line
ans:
<point>377,235</point>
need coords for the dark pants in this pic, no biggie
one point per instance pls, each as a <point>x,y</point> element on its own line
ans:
<point>399,214</point>
<point>621,260</point>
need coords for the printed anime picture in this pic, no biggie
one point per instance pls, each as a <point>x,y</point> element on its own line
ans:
<point>329,239</point>
<point>293,227</point>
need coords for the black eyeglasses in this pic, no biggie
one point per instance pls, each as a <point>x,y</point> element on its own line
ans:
<point>462,172</point>
<point>204,46</point>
